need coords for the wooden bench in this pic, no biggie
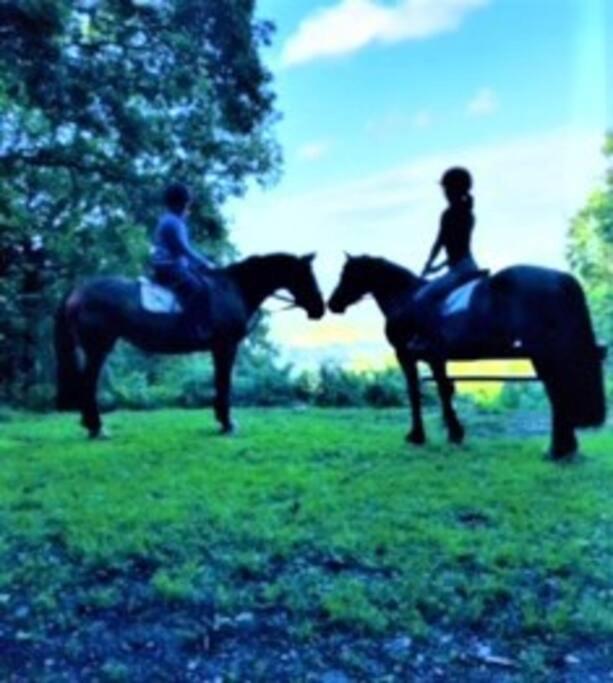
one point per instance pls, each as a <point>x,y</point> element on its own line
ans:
<point>512,354</point>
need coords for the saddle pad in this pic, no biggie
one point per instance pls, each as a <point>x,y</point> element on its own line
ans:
<point>459,299</point>
<point>157,299</point>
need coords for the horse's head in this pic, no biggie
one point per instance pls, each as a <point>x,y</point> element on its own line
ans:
<point>258,277</point>
<point>371,275</point>
<point>355,282</point>
<point>303,286</point>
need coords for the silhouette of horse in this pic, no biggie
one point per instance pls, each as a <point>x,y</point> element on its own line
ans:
<point>102,310</point>
<point>525,311</point>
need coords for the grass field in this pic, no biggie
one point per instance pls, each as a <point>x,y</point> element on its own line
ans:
<point>314,545</point>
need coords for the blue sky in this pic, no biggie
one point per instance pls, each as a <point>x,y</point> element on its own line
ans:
<point>379,96</point>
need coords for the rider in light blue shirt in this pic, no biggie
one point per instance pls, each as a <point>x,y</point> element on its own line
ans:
<point>176,264</point>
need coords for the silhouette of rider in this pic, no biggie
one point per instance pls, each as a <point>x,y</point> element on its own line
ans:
<point>177,265</point>
<point>454,236</point>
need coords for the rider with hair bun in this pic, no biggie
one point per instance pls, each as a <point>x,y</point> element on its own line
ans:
<point>457,224</point>
<point>454,236</point>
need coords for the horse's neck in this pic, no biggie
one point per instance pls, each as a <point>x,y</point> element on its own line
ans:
<point>392,292</point>
<point>388,301</point>
<point>257,279</point>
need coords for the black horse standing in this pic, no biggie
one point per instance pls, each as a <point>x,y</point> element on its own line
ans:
<point>101,311</point>
<point>534,312</point>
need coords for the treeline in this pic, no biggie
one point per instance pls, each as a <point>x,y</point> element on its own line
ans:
<point>134,381</point>
<point>590,251</point>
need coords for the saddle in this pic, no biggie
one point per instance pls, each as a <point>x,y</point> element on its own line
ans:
<point>157,299</point>
<point>458,300</point>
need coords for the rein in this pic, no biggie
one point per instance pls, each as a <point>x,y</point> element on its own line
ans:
<point>291,303</point>
<point>257,316</point>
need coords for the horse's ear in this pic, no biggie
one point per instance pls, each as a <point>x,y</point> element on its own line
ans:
<point>348,256</point>
<point>309,258</point>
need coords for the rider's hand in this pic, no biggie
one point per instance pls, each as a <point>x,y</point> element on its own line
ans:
<point>436,269</point>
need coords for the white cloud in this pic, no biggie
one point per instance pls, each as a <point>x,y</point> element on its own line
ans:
<point>484,103</point>
<point>351,25</point>
<point>396,123</point>
<point>312,151</point>
<point>526,191</point>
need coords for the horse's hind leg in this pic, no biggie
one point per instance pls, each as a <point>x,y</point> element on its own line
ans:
<point>563,440</point>
<point>455,430</point>
<point>90,415</point>
<point>408,364</point>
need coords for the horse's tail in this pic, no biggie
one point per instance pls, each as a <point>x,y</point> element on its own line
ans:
<point>582,372</point>
<point>68,372</point>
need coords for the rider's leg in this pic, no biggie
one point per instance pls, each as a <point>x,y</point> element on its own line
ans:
<point>193,293</point>
<point>424,312</point>
<point>427,303</point>
<point>195,296</point>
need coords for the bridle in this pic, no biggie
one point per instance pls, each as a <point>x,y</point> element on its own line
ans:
<point>258,315</point>
<point>290,301</point>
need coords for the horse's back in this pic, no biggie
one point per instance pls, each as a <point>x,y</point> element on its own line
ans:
<point>530,278</point>
<point>108,287</point>
<point>538,302</point>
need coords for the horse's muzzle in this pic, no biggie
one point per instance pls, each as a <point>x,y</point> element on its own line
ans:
<point>336,306</point>
<point>316,312</point>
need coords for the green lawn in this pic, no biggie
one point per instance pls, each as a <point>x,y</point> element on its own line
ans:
<point>314,543</point>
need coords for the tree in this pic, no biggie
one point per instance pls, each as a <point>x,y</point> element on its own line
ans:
<point>101,102</point>
<point>590,249</point>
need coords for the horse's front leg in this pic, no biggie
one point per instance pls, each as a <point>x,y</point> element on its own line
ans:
<point>223,359</point>
<point>90,415</point>
<point>455,431</point>
<point>408,364</point>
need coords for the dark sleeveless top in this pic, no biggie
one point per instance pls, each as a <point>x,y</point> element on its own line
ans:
<point>456,228</point>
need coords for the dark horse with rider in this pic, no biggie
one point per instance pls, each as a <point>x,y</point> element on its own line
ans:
<point>215,311</point>
<point>465,313</point>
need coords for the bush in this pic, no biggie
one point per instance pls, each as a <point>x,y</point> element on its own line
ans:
<point>512,396</point>
<point>338,387</point>
<point>385,389</point>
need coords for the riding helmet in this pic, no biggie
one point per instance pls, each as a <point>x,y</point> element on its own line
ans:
<point>177,196</point>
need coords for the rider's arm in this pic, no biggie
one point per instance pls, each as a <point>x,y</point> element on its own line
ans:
<point>179,241</point>
<point>434,252</point>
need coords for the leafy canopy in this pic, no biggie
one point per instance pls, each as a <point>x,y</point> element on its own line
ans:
<point>590,248</point>
<point>101,103</point>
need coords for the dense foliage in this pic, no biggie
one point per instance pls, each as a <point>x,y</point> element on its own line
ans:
<point>101,102</point>
<point>590,249</point>
<point>258,381</point>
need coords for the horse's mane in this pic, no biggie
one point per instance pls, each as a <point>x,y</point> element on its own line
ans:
<point>393,272</point>
<point>274,259</point>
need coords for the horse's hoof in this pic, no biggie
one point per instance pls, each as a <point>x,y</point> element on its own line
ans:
<point>229,429</point>
<point>563,457</point>
<point>456,435</point>
<point>100,435</point>
<point>416,438</point>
